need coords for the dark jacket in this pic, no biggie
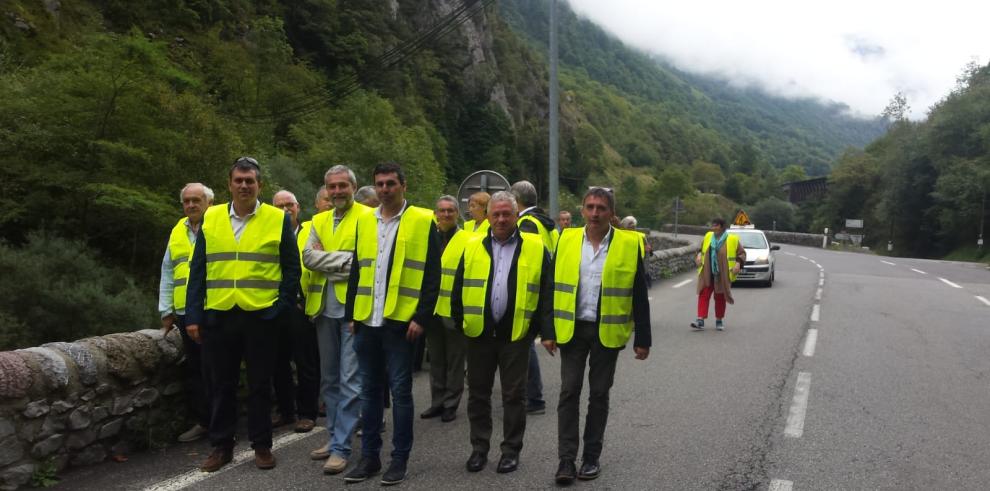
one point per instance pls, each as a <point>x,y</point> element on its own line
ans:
<point>539,214</point>
<point>429,291</point>
<point>502,329</point>
<point>640,305</point>
<point>288,257</point>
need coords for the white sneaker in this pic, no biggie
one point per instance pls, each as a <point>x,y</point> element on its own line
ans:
<point>334,465</point>
<point>193,434</point>
<point>320,453</point>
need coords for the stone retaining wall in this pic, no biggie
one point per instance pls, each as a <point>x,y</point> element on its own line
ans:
<point>808,240</point>
<point>69,404</point>
<point>670,256</point>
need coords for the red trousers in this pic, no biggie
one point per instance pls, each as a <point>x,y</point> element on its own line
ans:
<point>703,299</point>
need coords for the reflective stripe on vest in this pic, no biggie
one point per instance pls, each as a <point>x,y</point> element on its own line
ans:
<point>408,264</point>
<point>244,274</point>
<point>340,238</point>
<point>549,240</point>
<point>731,246</point>
<point>615,321</point>
<point>448,263</point>
<point>180,250</point>
<point>478,268</point>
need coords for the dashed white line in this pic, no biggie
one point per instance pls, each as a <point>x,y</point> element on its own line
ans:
<point>918,271</point>
<point>985,301</point>
<point>789,253</point>
<point>947,282</point>
<point>683,283</point>
<point>802,257</point>
<point>888,262</point>
<point>183,481</point>
<point>799,406</point>
<point>821,281</point>
<point>821,274</point>
<point>810,341</point>
<point>780,485</point>
<point>818,294</point>
<point>820,267</point>
<point>816,313</point>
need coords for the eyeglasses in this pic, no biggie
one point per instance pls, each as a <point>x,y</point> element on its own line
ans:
<point>246,160</point>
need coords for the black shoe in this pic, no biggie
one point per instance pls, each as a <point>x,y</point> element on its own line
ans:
<point>365,468</point>
<point>566,472</point>
<point>536,409</point>
<point>507,464</point>
<point>449,414</point>
<point>589,470</point>
<point>477,461</point>
<point>431,413</point>
<point>395,474</point>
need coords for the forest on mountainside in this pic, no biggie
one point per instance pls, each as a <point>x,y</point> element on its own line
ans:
<point>107,107</point>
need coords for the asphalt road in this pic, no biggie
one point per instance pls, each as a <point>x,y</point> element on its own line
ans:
<point>896,396</point>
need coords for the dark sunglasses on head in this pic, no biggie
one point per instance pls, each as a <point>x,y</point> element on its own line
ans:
<point>595,188</point>
<point>249,161</point>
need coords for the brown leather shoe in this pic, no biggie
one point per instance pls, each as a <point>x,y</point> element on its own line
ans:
<point>305,425</point>
<point>217,459</point>
<point>263,458</point>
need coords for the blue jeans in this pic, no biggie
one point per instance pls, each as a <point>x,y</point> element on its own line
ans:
<point>340,384</point>
<point>534,385</point>
<point>384,351</point>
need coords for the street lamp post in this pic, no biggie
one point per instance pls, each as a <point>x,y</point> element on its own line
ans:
<point>554,184</point>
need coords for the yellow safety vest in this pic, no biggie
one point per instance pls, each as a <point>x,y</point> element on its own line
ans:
<point>478,267</point>
<point>482,230</point>
<point>448,262</point>
<point>731,245</point>
<point>549,238</point>
<point>244,274</point>
<point>615,319</point>
<point>180,251</point>
<point>339,239</point>
<point>408,264</point>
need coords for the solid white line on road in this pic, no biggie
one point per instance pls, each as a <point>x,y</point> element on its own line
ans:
<point>983,300</point>
<point>802,257</point>
<point>810,341</point>
<point>799,406</point>
<point>818,294</point>
<point>816,313</point>
<point>947,282</point>
<point>183,481</point>
<point>888,262</point>
<point>918,271</point>
<point>683,283</point>
<point>780,485</point>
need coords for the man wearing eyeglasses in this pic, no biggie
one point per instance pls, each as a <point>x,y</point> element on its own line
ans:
<point>391,296</point>
<point>600,298</point>
<point>244,273</point>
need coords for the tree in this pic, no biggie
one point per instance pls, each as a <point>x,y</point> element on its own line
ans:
<point>707,177</point>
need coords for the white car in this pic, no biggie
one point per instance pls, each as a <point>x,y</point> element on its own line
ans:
<point>759,265</point>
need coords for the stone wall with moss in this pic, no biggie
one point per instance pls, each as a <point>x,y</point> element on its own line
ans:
<point>71,404</point>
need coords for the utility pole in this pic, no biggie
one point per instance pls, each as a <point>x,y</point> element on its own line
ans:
<point>983,219</point>
<point>554,184</point>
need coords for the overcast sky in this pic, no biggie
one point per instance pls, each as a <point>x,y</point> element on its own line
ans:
<point>858,52</point>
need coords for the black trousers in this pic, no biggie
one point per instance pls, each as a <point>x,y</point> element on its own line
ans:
<point>229,337</point>
<point>447,346</point>
<point>511,360</point>
<point>197,384</point>
<point>297,344</point>
<point>584,350</point>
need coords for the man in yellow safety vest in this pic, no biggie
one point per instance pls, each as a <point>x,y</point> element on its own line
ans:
<point>600,297</point>
<point>244,273</point>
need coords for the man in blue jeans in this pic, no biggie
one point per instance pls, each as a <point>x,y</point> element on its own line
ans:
<point>391,294</point>
<point>328,254</point>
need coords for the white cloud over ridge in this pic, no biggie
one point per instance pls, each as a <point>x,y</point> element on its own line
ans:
<point>859,53</point>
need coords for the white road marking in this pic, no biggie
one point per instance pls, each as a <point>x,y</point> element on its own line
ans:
<point>918,271</point>
<point>813,261</point>
<point>789,253</point>
<point>947,282</point>
<point>816,313</point>
<point>818,294</point>
<point>802,257</point>
<point>821,267</point>
<point>821,274</point>
<point>799,406</point>
<point>183,481</point>
<point>987,302</point>
<point>888,262</point>
<point>683,283</point>
<point>810,341</point>
<point>821,281</point>
<point>780,485</point>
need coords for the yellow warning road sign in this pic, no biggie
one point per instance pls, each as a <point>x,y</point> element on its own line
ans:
<point>741,219</point>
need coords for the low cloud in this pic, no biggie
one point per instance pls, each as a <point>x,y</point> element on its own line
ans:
<point>856,53</point>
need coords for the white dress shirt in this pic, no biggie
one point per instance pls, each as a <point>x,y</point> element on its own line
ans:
<point>387,229</point>
<point>166,286</point>
<point>590,284</point>
<point>502,253</point>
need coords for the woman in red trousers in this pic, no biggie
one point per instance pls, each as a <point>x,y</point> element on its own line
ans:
<point>720,259</point>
